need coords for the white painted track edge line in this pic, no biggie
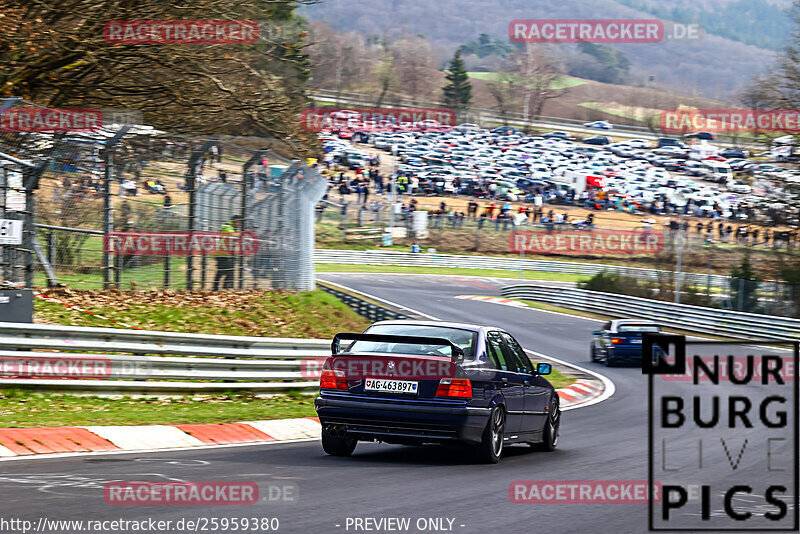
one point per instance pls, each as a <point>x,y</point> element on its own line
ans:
<point>431,317</point>
<point>151,451</point>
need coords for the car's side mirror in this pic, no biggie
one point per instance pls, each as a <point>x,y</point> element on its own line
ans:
<point>598,332</point>
<point>544,368</point>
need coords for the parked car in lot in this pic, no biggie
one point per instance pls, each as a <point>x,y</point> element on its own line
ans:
<point>467,127</point>
<point>717,171</point>
<point>620,341</point>
<point>662,142</point>
<point>355,160</point>
<point>704,136</point>
<point>504,130</point>
<point>675,165</point>
<point>638,143</point>
<point>602,125</point>
<point>672,152</point>
<point>435,382</point>
<point>734,153</point>
<point>597,140</point>
<point>766,168</point>
<point>558,135</point>
<point>741,166</point>
<point>737,186</point>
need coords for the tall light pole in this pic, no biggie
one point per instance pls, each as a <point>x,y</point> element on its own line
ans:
<point>393,190</point>
<point>679,200</point>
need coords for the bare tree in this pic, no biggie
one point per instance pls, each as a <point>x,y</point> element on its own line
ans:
<point>762,93</point>
<point>538,75</point>
<point>384,72</point>
<point>55,54</point>
<point>505,89</point>
<point>414,64</point>
<point>339,60</point>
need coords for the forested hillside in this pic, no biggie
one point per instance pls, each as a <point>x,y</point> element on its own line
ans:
<point>715,66</point>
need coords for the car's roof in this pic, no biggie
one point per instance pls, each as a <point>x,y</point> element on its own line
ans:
<point>618,322</point>
<point>444,324</point>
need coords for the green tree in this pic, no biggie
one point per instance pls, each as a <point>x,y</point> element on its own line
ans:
<point>609,65</point>
<point>484,46</point>
<point>744,286</point>
<point>458,90</point>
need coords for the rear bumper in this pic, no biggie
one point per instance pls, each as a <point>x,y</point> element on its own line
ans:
<point>392,422</point>
<point>625,355</point>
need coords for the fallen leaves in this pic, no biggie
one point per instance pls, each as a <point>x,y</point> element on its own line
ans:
<point>243,312</point>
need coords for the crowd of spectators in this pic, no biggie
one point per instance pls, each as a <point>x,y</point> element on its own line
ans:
<point>541,206</point>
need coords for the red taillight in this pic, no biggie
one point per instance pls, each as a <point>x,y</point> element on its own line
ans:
<point>454,387</point>
<point>333,379</point>
<point>616,340</point>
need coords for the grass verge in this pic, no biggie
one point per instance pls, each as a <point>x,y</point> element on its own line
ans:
<point>494,273</point>
<point>313,314</point>
<point>23,409</point>
<point>557,378</point>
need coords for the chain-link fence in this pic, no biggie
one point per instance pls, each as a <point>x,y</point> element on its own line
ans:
<point>133,207</point>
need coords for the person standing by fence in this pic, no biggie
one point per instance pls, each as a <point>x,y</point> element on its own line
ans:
<point>224,260</point>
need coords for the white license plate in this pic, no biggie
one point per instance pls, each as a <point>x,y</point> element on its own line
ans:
<point>391,386</point>
<point>636,341</point>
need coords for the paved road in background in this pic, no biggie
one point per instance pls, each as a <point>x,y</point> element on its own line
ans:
<point>606,441</point>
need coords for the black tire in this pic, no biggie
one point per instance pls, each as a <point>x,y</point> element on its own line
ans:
<point>593,353</point>
<point>491,447</point>
<point>551,429</point>
<point>336,446</point>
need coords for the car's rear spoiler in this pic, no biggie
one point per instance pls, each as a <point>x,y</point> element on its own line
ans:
<point>456,352</point>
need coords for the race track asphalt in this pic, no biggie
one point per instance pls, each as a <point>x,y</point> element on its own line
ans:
<point>606,441</point>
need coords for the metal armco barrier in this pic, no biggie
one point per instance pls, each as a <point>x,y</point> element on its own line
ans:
<point>692,318</point>
<point>380,257</point>
<point>370,310</point>
<point>155,363</point>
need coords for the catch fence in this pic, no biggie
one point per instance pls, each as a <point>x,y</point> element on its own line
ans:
<point>128,206</point>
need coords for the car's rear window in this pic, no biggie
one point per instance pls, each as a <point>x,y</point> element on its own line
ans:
<point>464,339</point>
<point>638,328</point>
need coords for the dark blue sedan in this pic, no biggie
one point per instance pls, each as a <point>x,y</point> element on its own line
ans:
<point>620,341</point>
<point>417,382</point>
